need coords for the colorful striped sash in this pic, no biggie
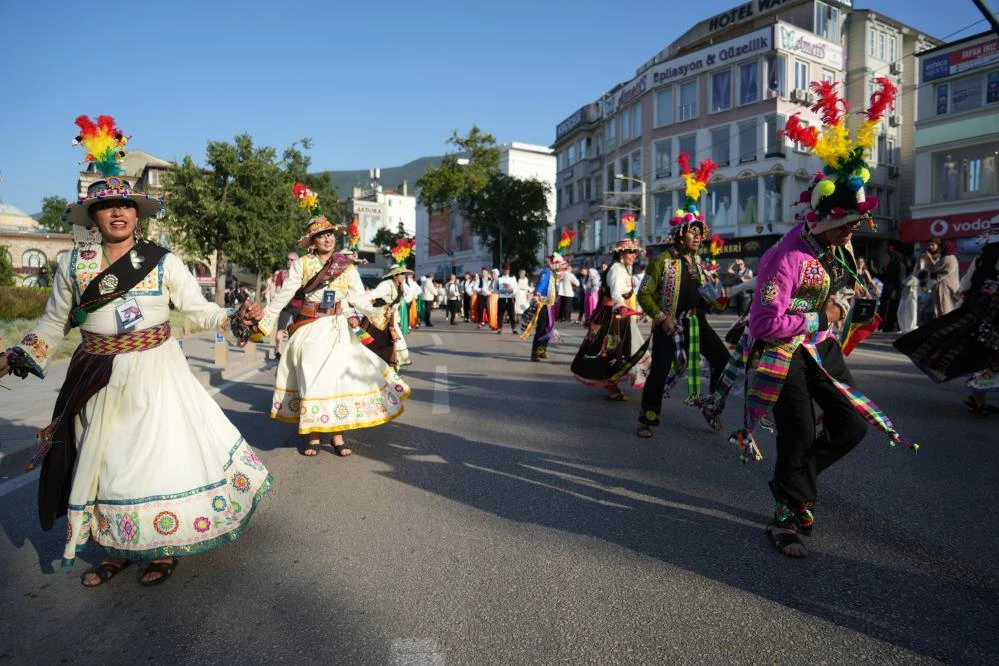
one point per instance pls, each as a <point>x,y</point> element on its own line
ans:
<point>109,345</point>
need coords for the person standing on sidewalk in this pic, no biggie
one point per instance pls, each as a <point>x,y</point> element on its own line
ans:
<point>329,381</point>
<point>567,285</point>
<point>138,456</point>
<point>467,291</point>
<point>483,290</point>
<point>506,287</point>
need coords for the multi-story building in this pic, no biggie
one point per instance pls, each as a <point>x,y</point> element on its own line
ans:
<point>377,208</point>
<point>723,90</point>
<point>445,243</point>
<point>29,248</point>
<point>957,144</point>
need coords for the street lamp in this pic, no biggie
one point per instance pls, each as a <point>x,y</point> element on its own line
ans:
<point>641,203</point>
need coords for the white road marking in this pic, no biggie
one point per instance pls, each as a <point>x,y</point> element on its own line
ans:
<point>232,382</point>
<point>14,484</point>
<point>441,388</point>
<point>415,652</point>
<point>437,339</point>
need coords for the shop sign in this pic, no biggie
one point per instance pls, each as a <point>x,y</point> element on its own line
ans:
<point>948,226</point>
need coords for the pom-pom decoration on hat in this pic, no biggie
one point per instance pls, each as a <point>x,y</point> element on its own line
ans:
<point>838,191</point>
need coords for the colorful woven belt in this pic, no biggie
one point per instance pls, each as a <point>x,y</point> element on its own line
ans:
<point>108,345</point>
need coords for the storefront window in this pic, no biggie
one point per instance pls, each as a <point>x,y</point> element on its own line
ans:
<point>773,197</point>
<point>966,94</point>
<point>718,205</point>
<point>966,172</point>
<point>746,191</point>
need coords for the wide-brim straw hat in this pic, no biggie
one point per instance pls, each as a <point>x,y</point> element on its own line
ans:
<point>109,189</point>
<point>396,270</point>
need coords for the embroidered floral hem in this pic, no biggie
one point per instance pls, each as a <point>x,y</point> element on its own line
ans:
<point>341,413</point>
<point>175,524</point>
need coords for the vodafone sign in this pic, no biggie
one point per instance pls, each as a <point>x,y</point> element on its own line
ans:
<point>949,226</point>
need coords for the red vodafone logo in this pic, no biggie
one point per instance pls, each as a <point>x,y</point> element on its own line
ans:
<point>953,226</point>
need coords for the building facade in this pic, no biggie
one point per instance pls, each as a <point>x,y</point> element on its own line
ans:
<point>724,90</point>
<point>444,240</point>
<point>377,208</point>
<point>30,249</point>
<point>957,144</point>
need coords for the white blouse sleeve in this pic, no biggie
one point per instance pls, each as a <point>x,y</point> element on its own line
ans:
<point>281,298</point>
<point>619,284</point>
<point>39,344</point>
<point>185,294</point>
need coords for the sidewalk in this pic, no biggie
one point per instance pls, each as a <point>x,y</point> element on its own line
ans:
<point>27,406</point>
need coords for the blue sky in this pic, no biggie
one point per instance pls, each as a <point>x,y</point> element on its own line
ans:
<point>374,84</point>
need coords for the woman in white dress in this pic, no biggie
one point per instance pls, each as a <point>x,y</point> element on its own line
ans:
<point>328,381</point>
<point>138,456</point>
<point>522,296</point>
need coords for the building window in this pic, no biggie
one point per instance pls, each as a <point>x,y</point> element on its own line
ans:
<point>872,38</point>
<point>568,195</point>
<point>663,157</point>
<point>588,189</point>
<point>966,94</point>
<point>748,145</point>
<point>572,154</point>
<point>720,148</point>
<point>746,192</point>
<point>749,82</point>
<point>992,87</point>
<point>688,144</point>
<point>889,205</point>
<point>891,49</point>
<point>664,106</point>
<point>942,96</point>
<point>773,141</point>
<point>558,199</point>
<point>625,119</point>
<point>966,172</point>
<point>662,205</point>
<point>881,45</point>
<point>773,197</point>
<point>776,76</point>
<point>33,259</point>
<point>829,77</point>
<point>827,22</point>
<point>801,81</point>
<point>882,149</point>
<point>32,281</point>
<point>798,146</point>
<point>636,165</point>
<point>718,205</point>
<point>687,107</point>
<point>623,164</point>
<point>610,178</point>
<point>721,91</point>
<point>636,120</point>
<point>611,132</point>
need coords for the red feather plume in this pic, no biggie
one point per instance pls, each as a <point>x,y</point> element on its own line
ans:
<point>705,169</point>
<point>881,99</point>
<point>794,130</point>
<point>684,161</point>
<point>830,105</point>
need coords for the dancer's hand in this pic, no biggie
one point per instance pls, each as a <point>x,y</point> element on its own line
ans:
<point>834,312</point>
<point>665,320</point>
<point>353,322</point>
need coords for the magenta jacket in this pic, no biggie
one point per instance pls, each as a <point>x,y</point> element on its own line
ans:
<point>791,291</point>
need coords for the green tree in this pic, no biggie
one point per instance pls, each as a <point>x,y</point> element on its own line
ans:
<point>51,217</point>
<point>6,267</point>
<point>240,205</point>
<point>385,240</point>
<point>509,215</point>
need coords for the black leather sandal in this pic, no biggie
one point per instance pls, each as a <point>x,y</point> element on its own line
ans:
<point>342,450</point>
<point>165,569</point>
<point>105,571</point>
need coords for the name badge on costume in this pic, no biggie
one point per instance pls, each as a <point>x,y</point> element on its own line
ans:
<point>129,313</point>
<point>329,299</point>
<point>864,310</point>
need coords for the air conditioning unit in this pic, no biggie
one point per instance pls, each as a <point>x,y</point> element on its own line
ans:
<point>810,97</point>
<point>798,95</point>
<point>895,121</point>
<point>893,172</point>
<point>896,68</point>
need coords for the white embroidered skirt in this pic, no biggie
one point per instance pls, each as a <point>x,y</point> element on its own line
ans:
<point>160,470</point>
<point>328,381</point>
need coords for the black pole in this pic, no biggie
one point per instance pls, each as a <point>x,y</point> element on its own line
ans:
<point>989,16</point>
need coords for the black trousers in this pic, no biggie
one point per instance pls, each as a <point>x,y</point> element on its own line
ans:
<point>664,353</point>
<point>466,307</point>
<point>453,307</point>
<point>506,310</point>
<point>540,344</point>
<point>482,309</point>
<point>801,456</point>
<point>565,308</point>
<point>427,307</point>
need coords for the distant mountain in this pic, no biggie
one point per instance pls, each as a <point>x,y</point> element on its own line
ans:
<point>391,179</point>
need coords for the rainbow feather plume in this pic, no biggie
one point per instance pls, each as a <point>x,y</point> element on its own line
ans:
<point>104,143</point>
<point>353,233</point>
<point>567,237</point>
<point>628,222</point>
<point>403,248</point>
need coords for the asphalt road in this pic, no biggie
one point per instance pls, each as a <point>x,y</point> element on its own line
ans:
<point>510,516</point>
